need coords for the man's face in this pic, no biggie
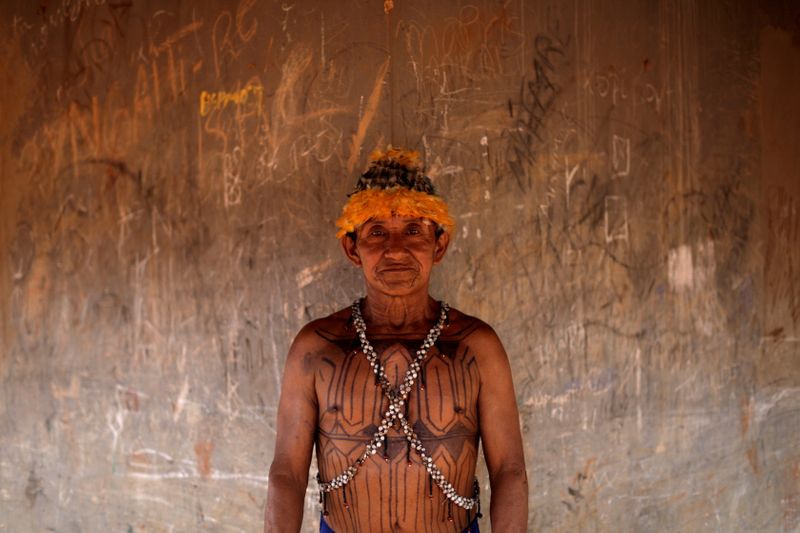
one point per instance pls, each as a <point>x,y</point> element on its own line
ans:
<point>397,254</point>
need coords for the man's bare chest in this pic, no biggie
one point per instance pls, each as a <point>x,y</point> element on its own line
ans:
<point>442,402</point>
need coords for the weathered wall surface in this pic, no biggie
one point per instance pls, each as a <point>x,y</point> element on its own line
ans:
<point>624,176</point>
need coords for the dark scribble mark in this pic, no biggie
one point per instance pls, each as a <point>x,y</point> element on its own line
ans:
<point>33,488</point>
<point>537,97</point>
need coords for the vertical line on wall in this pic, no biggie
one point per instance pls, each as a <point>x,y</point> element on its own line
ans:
<point>388,6</point>
<point>322,40</point>
<point>199,151</point>
<point>679,34</point>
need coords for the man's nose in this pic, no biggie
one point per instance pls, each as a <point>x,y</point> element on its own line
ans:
<point>395,244</point>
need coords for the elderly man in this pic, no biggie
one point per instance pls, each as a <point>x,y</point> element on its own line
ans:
<point>397,390</point>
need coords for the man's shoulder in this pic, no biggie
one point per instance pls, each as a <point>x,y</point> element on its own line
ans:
<point>334,327</point>
<point>471,329</point>
<point>478,339</point>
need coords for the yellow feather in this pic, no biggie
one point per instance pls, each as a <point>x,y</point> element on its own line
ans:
<point>386,203</point>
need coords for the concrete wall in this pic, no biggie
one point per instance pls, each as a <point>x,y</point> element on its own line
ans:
<point>625,180</point>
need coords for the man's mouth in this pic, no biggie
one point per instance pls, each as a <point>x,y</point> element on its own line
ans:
<point>397,268</point>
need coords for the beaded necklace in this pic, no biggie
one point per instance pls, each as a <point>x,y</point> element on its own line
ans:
<point>395,414</point>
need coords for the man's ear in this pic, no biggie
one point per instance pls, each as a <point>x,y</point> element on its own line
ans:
<point>442,242</point>
<point>349,247</point>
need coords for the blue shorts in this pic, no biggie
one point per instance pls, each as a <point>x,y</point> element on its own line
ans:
<point>325,528</point>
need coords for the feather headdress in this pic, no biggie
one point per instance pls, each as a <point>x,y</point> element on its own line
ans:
<point>395,184</point>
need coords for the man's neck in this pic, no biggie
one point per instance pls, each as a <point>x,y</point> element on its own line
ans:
<point>405,313</point>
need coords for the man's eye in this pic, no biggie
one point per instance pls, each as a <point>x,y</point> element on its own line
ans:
<point>414,230</point>
<point>376,232</point>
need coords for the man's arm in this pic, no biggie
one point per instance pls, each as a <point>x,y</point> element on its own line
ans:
<point>297,425</point>
<point>500,434</point>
